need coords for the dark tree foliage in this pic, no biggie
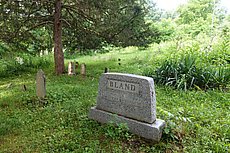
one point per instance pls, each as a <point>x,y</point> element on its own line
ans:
<point>116,22</point>
<point>81,24</point>
<point>19,19</point>
<point>86,23</point>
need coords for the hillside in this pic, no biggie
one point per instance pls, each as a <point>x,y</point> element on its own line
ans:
<point>197,120</point>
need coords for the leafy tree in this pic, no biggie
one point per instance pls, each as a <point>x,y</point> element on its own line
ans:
<point>20,18</point>
<point>83,23</point>
<point>195,10</point>
<point>200,15</point>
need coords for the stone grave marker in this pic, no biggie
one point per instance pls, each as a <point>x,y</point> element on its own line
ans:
<point>83,69</point>
<point>41,84</point>
<point>71,68</point>
<point>130,99</point>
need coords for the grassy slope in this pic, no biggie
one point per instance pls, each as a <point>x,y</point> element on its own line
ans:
<point>197,121</point>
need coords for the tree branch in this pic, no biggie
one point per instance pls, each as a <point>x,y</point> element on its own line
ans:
<point>38,25</point>
<point>79,12</point>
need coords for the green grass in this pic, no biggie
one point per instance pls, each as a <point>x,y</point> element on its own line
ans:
<point>197,121</point>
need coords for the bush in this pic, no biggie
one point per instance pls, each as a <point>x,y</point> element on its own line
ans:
<point>184,73</point>
<point>221,53</point>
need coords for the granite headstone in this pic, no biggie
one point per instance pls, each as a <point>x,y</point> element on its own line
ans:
<point>83,69</point>
<point>127,98</point>
<point>41,84</point>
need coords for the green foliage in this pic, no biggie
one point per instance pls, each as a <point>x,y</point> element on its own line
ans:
<point>22,63</point>
<point>4,49</point>
<point>115,131</point>
<point>172,131</point>
<point>221,55</point>
<point>186,72</point>
<point>166,29</point>
<point>41,41</point>
<point>200,16</point>
<point>27,25</point>
<point>192,66</point>
<point>179,74</point>
<point>105,49</point>
<point>197,121</point>
<point>193,61</point>
<point>195,10</point>
<point>8,124</point>
<point>219,58</point>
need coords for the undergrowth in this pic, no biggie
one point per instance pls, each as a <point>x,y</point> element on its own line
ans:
<point>191,68</point>
<point>22,63</point>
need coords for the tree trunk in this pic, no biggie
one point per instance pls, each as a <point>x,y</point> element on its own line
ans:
<point>58,53</point>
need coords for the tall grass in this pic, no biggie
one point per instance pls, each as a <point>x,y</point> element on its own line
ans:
<point>192,67</point>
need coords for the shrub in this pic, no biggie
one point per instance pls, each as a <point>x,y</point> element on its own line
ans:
<point>184,73</point>
<point>221,54</point>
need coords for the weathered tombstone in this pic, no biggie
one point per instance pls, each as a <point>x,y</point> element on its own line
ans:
<point>130,99</point>
<point>41,85</point>
<point>83,69</point>
<point>71,68</point>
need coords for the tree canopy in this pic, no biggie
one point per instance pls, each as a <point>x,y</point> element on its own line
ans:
<point>200,15</point>
<point>86,23</point>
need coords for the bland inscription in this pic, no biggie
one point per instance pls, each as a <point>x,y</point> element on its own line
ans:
<point>123,86</point>
<point>128,95</point>
<point>130,99</point>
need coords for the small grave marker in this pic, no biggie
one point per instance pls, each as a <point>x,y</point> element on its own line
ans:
<point>41,84</point>
<point>83,69</point>
<point>71,68</point>
<point>130,99</point>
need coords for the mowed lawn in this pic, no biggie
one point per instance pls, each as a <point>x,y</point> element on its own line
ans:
<point>197,121</point>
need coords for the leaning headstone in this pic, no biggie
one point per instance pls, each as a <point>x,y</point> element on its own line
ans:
<point>41,85</point>
<point>130,99</point>
<point>83,69</point>
<point>71,68</point>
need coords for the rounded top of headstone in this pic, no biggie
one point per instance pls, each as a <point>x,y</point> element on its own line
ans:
<point>40,71</point>
<point>129,75</point>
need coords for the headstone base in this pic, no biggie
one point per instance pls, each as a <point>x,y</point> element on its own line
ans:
<point>149,131</point>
